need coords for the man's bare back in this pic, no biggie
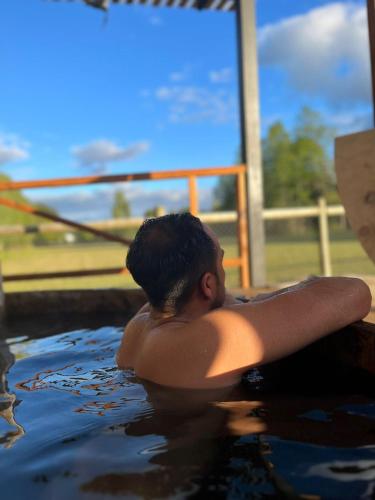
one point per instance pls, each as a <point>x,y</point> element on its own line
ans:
<point>215,348</point>
<point>194,335</point>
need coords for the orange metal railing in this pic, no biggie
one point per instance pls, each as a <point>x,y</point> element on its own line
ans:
<point>191,175</point>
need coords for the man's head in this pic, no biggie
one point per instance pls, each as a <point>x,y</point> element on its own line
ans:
<point>174,256</point>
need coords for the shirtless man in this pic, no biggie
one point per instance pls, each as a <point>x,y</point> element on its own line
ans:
<point>192,334</point>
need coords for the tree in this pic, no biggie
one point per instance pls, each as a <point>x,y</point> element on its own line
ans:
<point>156,211</point>
<point>297,165</point>
<point>121,207</point>
<point>225,193</point>
<point>10,216</point>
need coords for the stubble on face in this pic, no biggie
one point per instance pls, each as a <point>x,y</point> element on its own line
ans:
<point>219,273</point>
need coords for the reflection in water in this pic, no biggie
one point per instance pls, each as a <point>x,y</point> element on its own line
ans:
<point>95,430</point>
<point>8,400</point>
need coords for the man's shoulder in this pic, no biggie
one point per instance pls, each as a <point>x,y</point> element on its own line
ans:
<point>137,322</point>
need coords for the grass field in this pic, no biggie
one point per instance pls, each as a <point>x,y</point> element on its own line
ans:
<point>286,261</point>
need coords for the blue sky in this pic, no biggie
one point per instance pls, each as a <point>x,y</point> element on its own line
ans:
<point>156,89</point>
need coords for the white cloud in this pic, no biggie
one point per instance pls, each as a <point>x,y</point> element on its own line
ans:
<point>181,75</point>
<point>12,148</point>
<point>155,20</point>
<point>196,104</point>
<point>323,52</point>
<point>98,154</point>
<point>96,204</point>
<point>223,75</point>
<point>348,123</point>
<point>177,76</point>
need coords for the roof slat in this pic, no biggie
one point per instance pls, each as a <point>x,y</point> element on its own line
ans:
<point>224,5</point>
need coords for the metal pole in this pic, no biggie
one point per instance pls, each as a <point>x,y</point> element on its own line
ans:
<point>250,136</point>
<point>371,33</point>
<point>325,254</point>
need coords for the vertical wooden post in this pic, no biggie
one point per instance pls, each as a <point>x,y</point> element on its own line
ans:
<point>250,135</point>
<point>193,195</point>
<point>243,241</point>
<point>325,254</point>
<point>371,33</point>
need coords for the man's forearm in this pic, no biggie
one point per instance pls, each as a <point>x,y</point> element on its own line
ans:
<point>265,296</point>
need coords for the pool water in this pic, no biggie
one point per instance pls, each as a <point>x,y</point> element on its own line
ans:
<point>73,426</point>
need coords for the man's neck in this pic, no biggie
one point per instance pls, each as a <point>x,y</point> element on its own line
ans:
<point>194,309</point>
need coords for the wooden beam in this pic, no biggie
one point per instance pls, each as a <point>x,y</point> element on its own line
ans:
<point>250,134</point>
<point>236,262</point>
<point>65,274</point>
<point>242,235</point>
<point>193,196</point>
<point>24,207</point>
<point>102,179</point>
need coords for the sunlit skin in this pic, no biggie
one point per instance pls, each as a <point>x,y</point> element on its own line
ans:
<point>215,339</point>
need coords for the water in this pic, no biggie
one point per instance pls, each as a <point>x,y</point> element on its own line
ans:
<point>73,426</point>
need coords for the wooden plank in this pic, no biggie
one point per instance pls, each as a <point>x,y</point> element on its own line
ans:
<point>193,196</point>
<point>371,31</point>
<point>65,274</point>
<point>300,212</point>
<point>57,227</point>
<point>325,253</point>
<point>242,235</point>
<point>23,207</point>
<point>250,136</point>
<point>235,262</point>
<point>85,272</point>
<point>101,179</point>
<point>355,171</point>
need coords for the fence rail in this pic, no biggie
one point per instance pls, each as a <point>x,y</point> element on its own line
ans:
<point>239,171</point>
<point>322,211</point>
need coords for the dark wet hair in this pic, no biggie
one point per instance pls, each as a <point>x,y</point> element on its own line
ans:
<point>168,257</point>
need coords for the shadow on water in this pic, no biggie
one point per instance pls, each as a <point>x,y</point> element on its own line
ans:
<point>74,426</point>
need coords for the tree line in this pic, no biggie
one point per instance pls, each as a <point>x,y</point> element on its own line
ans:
<point>297,165</point>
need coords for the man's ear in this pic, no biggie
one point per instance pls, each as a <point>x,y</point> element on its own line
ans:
<point>208,286</point>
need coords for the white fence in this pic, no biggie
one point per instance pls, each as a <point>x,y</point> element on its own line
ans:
<point>321,211</point>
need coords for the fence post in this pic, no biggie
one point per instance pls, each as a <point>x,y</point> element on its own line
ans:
<point>193,195</point>
<point>325,254</point>
<point>242,233</point>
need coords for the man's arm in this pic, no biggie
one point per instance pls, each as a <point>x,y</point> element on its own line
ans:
<point>255,333</point>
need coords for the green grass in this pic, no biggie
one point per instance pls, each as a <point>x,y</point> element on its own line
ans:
<point>295,260</point>
<point>286,261</point>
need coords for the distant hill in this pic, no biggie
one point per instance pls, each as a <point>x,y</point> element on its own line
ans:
<point>9,216</point>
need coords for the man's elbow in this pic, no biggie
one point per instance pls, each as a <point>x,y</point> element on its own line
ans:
<point>363,297</point>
